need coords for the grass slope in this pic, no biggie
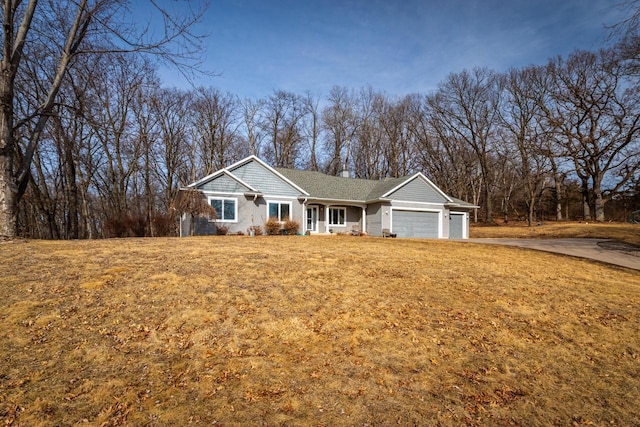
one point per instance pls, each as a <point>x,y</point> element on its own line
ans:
<point>623,232</point>
<point>313,331</point>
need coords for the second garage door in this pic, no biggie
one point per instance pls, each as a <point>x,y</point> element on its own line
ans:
<point>416,224</point>
<point>456,225</point>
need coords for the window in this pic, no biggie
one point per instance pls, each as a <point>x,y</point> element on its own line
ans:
<point>280,210</point>
<point>226,209</point>
<point>337,216</point>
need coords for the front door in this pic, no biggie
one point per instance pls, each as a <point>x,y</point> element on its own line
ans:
<point>312,219</point>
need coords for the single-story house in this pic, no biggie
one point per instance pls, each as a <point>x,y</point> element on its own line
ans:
<point>249,192</point>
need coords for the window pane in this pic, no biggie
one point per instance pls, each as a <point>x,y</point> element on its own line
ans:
<point>273,210</point>
<point>217,205</point>
<point>284,212</point>
<point>230,210</point>
<point>337,216</point>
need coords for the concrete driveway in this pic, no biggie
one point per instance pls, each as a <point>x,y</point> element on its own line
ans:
<point>608,251</point>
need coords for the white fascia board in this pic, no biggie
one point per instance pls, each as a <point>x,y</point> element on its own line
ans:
<point>270,169</point>
<point>455,205</point>
<point>415,176</point>
<point>243,161</point>
<point>223,170</point>
<point>379,200</point>
<point>255,190</point>
<point>205,179</point>
<point>217,174</point>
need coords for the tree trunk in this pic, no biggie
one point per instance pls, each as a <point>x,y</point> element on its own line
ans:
<point>598,201</point>
<point>8,189</point>
<point>72,222</point>
<point>558,199</point>
<point>558,186</point>
<point>8,208</point>
<point>487,202</point>
<point>586,208</point>
<point>531,209</point>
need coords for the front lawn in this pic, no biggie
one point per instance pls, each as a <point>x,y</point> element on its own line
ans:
<point>313,331</point>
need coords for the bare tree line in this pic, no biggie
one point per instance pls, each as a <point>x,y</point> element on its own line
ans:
<point>120,146</point>
<point>115,147</point>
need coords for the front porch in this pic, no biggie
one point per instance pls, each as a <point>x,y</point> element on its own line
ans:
<point>333,218</point>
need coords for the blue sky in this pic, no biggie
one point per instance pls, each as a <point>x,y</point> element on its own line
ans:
<point>399,47</point>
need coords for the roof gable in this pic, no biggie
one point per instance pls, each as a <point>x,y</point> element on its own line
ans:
<point>417,188</point>
<point>383,187</point>
<point>265,178</point>
<point>222,181</point>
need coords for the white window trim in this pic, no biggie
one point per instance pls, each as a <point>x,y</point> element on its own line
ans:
<point>343,208</point>
<point>280,202</point>
<point>235,213</point>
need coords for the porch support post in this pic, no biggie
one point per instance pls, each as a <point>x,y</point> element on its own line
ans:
<point>304,217</point>
<point>364,220</point>
<point>326,218</point>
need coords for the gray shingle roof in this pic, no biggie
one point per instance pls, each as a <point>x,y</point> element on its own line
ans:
<point>386,185</point>
<point>322,186</point>
<point>461,203</point>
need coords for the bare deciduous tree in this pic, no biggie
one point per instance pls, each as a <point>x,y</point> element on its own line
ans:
<point>340,122</point>
<point>173,110</point>
<point>283,113</point>
<point>215,122</point>
<point>189,201</point>
<point>523,134</point>
<point>467,105</point>
<point>596,115</point>
<point>251,111</point>
<point>312,129</point>
<point>53,34</point>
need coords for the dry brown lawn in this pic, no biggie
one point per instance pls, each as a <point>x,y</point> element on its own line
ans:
<point>313,331</point>
<point>624,232</point>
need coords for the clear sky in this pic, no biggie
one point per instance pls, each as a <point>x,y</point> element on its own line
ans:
<point>399,47</point>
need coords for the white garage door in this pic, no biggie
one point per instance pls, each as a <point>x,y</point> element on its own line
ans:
<point>456,225</point>
<point>416,224</point>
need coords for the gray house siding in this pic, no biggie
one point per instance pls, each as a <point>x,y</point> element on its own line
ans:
<point>374,219</point>
<point>297,213</point>
<point>417,190</point>
<point>264,180</point>
<point>247,212</point>
<point>248,209</point>
<point>354,218</point>
<point>222,184</point>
